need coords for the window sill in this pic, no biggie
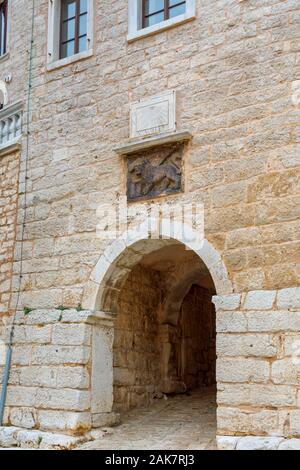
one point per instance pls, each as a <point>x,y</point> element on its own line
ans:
<point>4,57</point>
<point>11,146</point>
<point>69,60</point>
<point>157,28</point>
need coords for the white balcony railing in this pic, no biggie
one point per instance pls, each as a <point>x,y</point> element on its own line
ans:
<point>10,125</point>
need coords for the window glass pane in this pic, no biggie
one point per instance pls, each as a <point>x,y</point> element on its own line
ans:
<point>67,49</point>
<point>152,6</point>
<point>154,19</point>
<point>175,11</point>
<point>68,30</point>
<point>3,10</point>
<point>175,2</point>
<point>83,6</point>
<point>2,38</point>
<point>83,25</point>
<point>68,10</point>
<point>82,44</point>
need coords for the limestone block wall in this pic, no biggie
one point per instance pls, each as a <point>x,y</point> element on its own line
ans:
<point>258,366</point>
<point>235,81</point>
<point>14,65</point>
<point>9,175</point>
<point>136,347</point>
<point>197,353</point>
<point>50,379</point>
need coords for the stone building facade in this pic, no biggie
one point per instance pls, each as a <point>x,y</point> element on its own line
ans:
<point>99,322</point>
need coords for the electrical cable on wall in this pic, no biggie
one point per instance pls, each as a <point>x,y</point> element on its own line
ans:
<point>12,325</point>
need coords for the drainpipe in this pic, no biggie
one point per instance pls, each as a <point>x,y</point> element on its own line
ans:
<point>6,371</point>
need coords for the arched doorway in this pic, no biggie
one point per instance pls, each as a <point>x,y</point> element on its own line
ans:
<point>164,335</point>
<point>171,268</point>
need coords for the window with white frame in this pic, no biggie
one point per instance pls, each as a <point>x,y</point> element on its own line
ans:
<point>70,30</point>
<point>3,26</point>
<point>147,17</point>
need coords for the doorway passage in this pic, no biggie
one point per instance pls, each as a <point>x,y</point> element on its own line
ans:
<point>165,333</point>
<point>180,422</point>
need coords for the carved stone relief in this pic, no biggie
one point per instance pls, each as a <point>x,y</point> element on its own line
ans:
<point>155,172</point>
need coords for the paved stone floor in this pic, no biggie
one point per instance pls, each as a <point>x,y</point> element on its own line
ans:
<point>180,422</point>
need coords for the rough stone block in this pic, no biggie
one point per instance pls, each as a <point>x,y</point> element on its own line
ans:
<point>59,355</point>
<point>292,346</point>
<point>231,322</point>
<point>37,317</point>
<point>227,302</point>
<point>23,417</point>
<point>76,335</point>
<point>289,298</point>
<point>273,321</point>
<point>289,444</point>
<point>258,443</point>
<point>248,420</point>
<point>8,436</point>
<point>62,399</point>
<point>227,442</point>
<point>66,421</point>
<point>256,395</point>
<point>57,442</point>
<point>33,334</point>
<point>29,439</point>
<point>295,422</point>
<point>286,371</point>
<point>259,300</point>
<point>258,345</point>
<point>242,370</point>
<point>105,419</point>
<point>21,396</point>
<point>73,377</point>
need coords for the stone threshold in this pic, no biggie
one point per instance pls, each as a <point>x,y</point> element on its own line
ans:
<point>15,438</point>
<point>257,443</point>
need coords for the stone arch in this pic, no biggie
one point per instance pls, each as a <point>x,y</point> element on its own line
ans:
<point>103,290</point>
<point>114,265</point>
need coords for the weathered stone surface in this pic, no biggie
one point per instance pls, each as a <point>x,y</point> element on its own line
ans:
<point>295,422</point>
<point>290,444</point>
<point>105,419</point>
<point>63,399</point>
<point>289,298</point>
<point>242,164</point>
<point>58,355</point>
<point>243,370</point>
<point>246,420</point>
<point>259,345</point>
<point>227,442</point>
<point>231,322</point>
<point>29,439</point>
<point>65,421</point>
<point>76,335</point>
<point>256,395</point>
<point>57,442</point>
<point>286,371</point>
<point>259,300</point>
<point>23,417</point>
<point>8,436</point>
<point>227,302</point>
<point>258,443</point>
